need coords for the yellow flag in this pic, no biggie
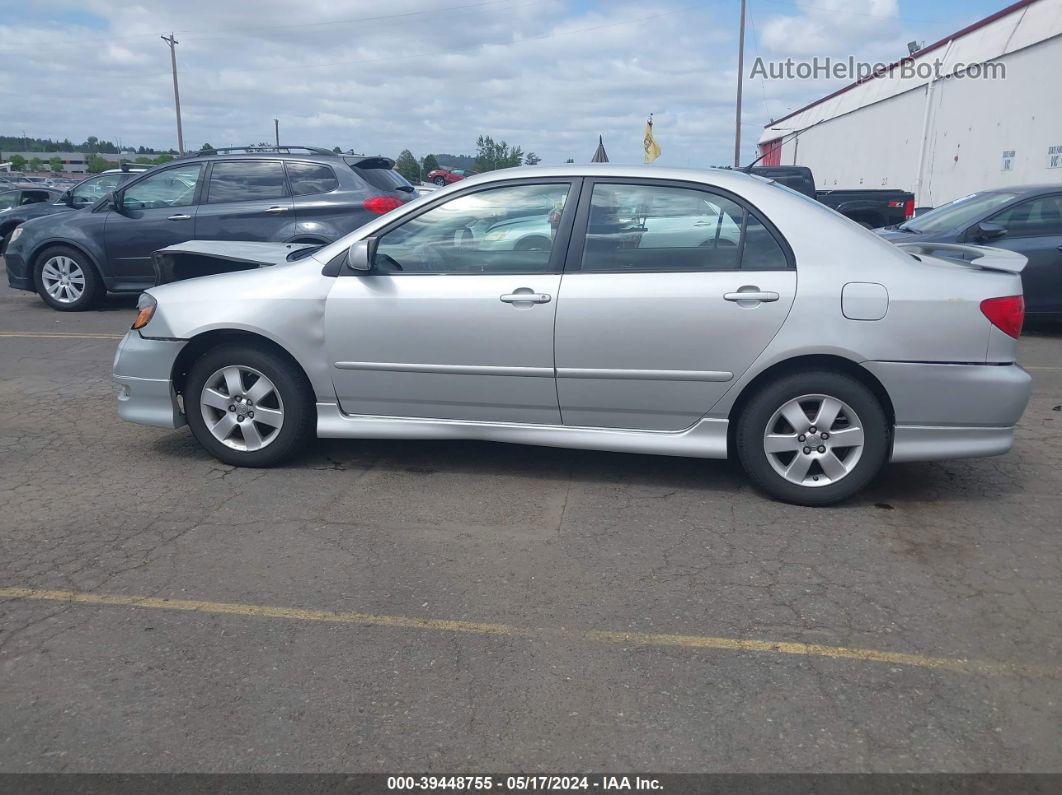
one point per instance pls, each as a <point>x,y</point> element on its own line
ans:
<point>652,149</point>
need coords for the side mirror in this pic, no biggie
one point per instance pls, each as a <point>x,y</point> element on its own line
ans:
<point>67,198</point>
<point>361,255</point>
<point>987,231</point>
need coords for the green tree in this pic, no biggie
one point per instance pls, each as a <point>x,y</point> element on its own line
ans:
<point>407,166</point>
<point>491,155</point>
<point>55,163</point>
<point>163,158</point>
<point>36,164</point>
<point>337,150</point>
<point>532,159</point>
<point>570,160</point>
<point>206,148</point>
<point>18,162</point>
<point>96,164</point>
<point>91,142</point>
<point>428,165</point>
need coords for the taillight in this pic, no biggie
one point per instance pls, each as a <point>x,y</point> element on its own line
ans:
<point>378,205</point>
<point>1006,314</point>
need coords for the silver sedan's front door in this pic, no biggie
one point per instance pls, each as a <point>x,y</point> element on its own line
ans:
<point>664,308</point>
<point>455,321</point>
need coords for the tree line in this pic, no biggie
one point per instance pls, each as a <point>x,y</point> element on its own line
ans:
<point>490,156</point>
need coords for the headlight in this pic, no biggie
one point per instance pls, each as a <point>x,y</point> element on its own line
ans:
<point>16,234</point>
<point>146,305</point>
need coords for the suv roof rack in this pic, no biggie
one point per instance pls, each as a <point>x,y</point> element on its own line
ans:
<point>317,150</point>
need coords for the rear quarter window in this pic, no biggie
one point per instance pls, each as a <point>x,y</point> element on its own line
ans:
<point>307,179</point>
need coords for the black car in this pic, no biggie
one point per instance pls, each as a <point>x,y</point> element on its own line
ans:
<point>290,194</point>
<point>1027,220</point>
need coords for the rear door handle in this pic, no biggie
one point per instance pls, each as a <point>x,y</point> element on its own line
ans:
<point>276,210</point>
<point>179,217</point>
<point>751,295</point>
<point>525,296</point>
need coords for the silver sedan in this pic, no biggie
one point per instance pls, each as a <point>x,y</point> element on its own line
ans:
<point>677,312</point>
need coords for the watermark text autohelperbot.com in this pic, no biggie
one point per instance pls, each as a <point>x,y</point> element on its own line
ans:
<point>850,69</point>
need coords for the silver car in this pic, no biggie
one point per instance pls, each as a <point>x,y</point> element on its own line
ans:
<point>781,332</point>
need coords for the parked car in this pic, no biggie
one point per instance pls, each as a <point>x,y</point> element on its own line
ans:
<point>871,208</point>
<point>447,176</point>
<point>84,193</point>
<point>307,196</point>
<point>409,328</point>
<point>1027,220</point>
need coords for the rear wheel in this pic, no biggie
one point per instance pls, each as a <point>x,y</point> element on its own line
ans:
<point>813,438</point>
<point>439,181</point>
<point>248,405</point>
<point>66,280</point>
<point>5,238</point>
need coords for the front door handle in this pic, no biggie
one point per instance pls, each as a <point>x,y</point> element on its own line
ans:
<point>753,294</point>
<point>179,217</point>
<point>276,210</point>
<point>525,295</point>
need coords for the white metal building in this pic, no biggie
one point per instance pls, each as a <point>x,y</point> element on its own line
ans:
<point>942,136</point>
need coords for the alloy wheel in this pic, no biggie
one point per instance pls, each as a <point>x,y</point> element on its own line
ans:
<point>63,279</point>
<point>242,408</point>
<point>814,440</point>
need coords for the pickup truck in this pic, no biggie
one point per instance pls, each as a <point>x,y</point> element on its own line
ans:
<point>871,208</point>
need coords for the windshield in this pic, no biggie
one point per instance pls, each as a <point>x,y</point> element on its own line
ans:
<point>959,213</point>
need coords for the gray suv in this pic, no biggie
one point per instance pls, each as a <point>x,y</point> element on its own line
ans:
<point>290,194</point>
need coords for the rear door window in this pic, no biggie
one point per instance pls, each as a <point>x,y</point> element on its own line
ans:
<point>247,180</point>
<point>309,178</point>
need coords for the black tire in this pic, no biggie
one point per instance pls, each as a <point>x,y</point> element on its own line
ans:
<point>295,396</point>
<point>759,411</point>
<point>440,181</point>
<point>4,240</point>
<point>93,286</point>
<point>533,243</point>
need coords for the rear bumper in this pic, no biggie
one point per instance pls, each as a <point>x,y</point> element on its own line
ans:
<point>953,410</point>
<point>142,369</point>
<point>928,443</point>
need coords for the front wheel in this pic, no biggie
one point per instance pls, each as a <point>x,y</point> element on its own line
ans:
<point>248,405</point>
<point>813,438</point>
<point>66,280</point>
<point>440,181</point>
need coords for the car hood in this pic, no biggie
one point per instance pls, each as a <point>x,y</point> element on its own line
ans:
<point>208,257</point>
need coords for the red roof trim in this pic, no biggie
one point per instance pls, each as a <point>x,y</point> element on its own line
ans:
<point>935,45</point>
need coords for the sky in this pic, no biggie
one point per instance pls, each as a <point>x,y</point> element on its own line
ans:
<point>432,75</point>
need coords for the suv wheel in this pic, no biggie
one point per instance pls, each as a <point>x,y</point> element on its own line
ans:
<point>66,280</point>
<point>249,406</point>
<point>813,438</point>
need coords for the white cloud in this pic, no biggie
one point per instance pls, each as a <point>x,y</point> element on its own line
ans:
<point>831,27</point>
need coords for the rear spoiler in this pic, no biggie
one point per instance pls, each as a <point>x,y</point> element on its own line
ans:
<point>369,161</point>
<point>982,257</point>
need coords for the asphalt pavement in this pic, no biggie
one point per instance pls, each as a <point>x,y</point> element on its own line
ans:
<point>460,607</point>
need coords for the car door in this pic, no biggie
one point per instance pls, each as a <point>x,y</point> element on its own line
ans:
<point>1034,228</point>
<point>246,200</point>
<point>455,321</point>
<point>150,213</point>
<point>652,328</point>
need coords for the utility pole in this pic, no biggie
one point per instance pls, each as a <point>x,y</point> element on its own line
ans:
<point>177,94</point>
<point>740,77</point>
<point>276,130</point>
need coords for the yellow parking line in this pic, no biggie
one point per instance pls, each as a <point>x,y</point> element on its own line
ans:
<point>58,336</point>
<point>956,665</point>
<point>1049,369</point>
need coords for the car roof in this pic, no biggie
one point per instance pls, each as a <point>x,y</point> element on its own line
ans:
<point>723,177</point>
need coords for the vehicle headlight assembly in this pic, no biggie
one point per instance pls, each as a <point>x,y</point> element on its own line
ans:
<point>146,310</point>
<point>16,234</point>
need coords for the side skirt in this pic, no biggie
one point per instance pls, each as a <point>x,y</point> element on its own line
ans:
<point>705,439</point>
